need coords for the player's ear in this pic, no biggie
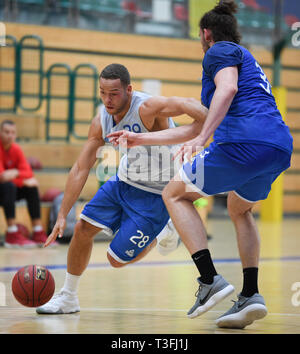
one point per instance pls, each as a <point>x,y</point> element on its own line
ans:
<point>129,89</point>
<point>207,35</point>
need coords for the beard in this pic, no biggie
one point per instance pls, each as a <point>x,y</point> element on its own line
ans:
<point>205,46</point>
<point>120,107</point>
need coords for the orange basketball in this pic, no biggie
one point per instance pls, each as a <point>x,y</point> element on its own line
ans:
<point>33,285</point>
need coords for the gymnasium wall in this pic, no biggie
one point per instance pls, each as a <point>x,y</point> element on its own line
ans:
<point>176,63</point>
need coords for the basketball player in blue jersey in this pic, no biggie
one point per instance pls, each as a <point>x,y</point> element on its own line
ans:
<point>252,146</point>
<point>129,205</point>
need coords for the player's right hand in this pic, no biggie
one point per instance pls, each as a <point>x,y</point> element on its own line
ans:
<point>123,138</point>
<point>58,231</point>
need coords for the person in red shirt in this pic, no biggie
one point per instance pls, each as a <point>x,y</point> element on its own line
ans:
<point>18,182</point>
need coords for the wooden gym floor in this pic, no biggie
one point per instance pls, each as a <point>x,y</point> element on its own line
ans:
<point>153,296</point>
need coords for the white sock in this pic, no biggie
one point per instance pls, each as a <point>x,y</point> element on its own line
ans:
<point>162,234</point>
<point>71,283</point>
<point>37,228</point>
<point>12,228</point>
<point>165,231</point>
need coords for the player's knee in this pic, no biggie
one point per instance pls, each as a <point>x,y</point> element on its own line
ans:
<point>232,212</point>
<point>175,191</point>
<point>167,193</point>
<point>114,263</point>
<point>235,211</point>
<point>164,195</point>
<point>82,230</point>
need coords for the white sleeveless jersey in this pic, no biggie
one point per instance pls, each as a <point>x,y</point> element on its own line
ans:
<point>149,168</point>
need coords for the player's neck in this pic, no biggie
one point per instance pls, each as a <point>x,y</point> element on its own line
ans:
<point>211,43</point>
<point>119,116</point>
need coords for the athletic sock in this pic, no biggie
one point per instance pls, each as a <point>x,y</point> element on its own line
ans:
<point>71,283</point>
<point>204,264</point>
<point>250,286</point>
<point>13,228</point>
<point>37,228</point>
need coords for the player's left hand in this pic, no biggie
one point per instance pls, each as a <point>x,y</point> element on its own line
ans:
<point>188,150</point>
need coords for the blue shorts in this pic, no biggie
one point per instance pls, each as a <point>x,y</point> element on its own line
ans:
<point>245,168</point>
<point>135,217</point>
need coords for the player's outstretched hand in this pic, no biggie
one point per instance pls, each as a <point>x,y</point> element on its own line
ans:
<point>124,138</point>
<point>188,150</point>
<point>58,231</point>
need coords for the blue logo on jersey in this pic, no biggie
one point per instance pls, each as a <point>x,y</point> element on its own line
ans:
<point>135,128</point>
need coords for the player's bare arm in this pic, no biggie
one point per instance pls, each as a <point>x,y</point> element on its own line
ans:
<point>159,109</point>
<point>78,177</point>
<point>226,88</point>
<point>155,113</point>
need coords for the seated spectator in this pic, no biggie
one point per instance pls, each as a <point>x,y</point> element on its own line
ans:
<point>18,182</point>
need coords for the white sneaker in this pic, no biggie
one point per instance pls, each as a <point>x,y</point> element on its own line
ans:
<point>168,239</point>
<point>61,303</point>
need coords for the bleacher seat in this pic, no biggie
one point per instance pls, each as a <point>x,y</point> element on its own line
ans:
<point>112,7</point>
<point>181,12</point>
<point>252,4</point>
<point>291,19</point>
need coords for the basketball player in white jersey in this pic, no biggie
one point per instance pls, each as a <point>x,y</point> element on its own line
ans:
<point>129,204</point>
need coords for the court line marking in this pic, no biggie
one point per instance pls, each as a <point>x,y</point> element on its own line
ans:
<point>133,309</point>
<point>156,263</point>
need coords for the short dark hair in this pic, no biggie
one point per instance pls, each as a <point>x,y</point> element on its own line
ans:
<point>222,22</point>
<point>116,71</point>
<point>7,121</point>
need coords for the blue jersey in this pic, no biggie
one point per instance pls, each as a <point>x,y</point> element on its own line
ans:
<point>253,116</point>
